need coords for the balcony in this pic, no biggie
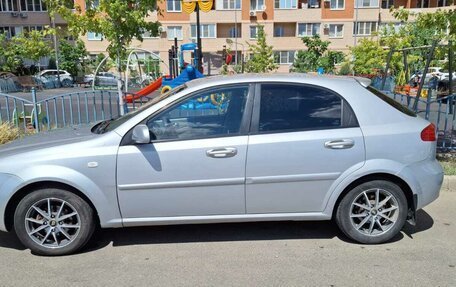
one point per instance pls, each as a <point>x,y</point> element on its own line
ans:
<point>307,11</point>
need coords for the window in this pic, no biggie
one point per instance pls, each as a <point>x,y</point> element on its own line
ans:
<point>284,57</point>
<point>278,31</point>
<point>285,4</point>
<point>257,5</point>
<point>174,32</point>
<point>32,5</point>
<point>391,102</point>
<point>336,30</point>
<point>228,4</point>
<point>207,31</point>
<point>148,35</point>
<point>92,4</point>
<point>92,36</point>
<point>216,112</point>
<point>367,3</point>
<point>337,4</point>
<point>234,33</point>
<point>308,29</point>
<point>386,4</point>
<point>422,4</point>
<point>443,3</point>
<point>173,6</point>
<point>286,107</point>
<point>365,28</point>
<point>8,5</point>
<point>253,32</point>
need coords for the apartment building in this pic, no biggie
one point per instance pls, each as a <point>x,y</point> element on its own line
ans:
<point>235,21</point>
<point>17,16</point>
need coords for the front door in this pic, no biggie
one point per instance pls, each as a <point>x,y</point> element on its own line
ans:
<point>303,138</point>
<point>196,163</point>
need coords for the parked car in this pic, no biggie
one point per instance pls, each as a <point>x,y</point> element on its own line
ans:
<point>65,78</point>
<point>105,79</point>
<point>279,147</point>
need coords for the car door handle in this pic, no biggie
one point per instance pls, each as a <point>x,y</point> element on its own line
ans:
<point>222,152</point>
<point>340,144</point>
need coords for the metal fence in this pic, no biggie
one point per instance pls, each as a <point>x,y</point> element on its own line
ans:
<point>440,111</point>
<point>59,111</point>
<point>91,106</point>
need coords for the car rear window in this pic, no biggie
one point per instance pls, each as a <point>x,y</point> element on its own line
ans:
<point>398,106</point>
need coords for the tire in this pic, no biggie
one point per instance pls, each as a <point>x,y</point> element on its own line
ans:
<point>376,223</point>
<point>67,83</point>
<point>72,232</point>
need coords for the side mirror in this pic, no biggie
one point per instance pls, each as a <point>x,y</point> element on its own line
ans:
<point>140,134</point>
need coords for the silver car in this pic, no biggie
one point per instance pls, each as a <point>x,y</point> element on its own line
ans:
<point>226,149</point>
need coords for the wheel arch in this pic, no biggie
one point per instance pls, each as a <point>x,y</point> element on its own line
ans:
<point>405,187</point>
<point>27,189</point>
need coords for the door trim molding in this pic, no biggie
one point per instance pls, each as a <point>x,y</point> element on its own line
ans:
<point>292,178</point>
<point>183,184</point>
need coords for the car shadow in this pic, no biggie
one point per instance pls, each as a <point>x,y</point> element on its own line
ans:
<point>252,231</point>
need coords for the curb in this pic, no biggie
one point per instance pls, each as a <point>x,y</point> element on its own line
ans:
<point>449,183</point>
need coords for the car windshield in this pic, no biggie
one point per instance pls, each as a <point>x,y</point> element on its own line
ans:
<point>109,125</point>
<point>391,102</point>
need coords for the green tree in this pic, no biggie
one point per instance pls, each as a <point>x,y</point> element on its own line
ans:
<point>317,55</point>
<point>10,55</point>
<point>368,56</point>
<point>33,45</point>
<point>262,56</point>
<point>71,55</point>
<point>118,21</point>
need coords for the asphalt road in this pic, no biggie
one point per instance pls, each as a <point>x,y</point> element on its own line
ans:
<point>249,254</point>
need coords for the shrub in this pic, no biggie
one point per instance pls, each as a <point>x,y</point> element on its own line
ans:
<point>345,69</point>
<point>8,132</point>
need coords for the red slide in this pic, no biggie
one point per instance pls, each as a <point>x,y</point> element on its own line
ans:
<point>144,92</point>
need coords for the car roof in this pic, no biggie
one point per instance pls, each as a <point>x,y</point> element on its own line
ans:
<point>289,77</point>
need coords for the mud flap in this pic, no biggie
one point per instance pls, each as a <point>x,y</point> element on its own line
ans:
<point>411,215</point>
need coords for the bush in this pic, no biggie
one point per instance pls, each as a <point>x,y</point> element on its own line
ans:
<point>345,69</point>
<point>8,133</point>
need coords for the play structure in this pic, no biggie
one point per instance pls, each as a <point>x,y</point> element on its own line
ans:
<point>180,72</point>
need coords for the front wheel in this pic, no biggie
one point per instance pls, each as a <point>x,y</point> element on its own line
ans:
<point>53,222</point>
<point>373,212</point>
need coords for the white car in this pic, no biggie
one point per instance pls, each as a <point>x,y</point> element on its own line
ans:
<point>65,78</point>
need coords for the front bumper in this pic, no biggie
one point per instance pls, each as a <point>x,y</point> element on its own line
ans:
<point>9,184</point>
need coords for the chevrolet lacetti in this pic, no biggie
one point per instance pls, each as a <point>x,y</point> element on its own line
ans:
<point>226,149</point>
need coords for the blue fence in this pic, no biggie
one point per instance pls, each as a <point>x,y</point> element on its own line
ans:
<point>61,110</point>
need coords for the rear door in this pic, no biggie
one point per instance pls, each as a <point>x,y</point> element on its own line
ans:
<point>303,138</point>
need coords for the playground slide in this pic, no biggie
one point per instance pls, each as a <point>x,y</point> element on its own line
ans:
<point>145,91</point>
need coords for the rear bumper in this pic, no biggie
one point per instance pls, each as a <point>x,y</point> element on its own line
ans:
<point>425,179</point>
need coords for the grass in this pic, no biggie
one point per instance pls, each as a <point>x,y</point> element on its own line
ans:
<point>449,166</point>
<point>8,132</point>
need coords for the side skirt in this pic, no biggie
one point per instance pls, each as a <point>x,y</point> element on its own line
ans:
<point>129,222</point>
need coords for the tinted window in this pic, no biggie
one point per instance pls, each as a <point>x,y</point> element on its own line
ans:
<point>217,112</point>
<point>297,107</point>
<point>391,102</point>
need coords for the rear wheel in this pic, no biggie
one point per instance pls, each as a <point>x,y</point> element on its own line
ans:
<point>53,222</point>
<point>373,212</point>
<point>67,83</point>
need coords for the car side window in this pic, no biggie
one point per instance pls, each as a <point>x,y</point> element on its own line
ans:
<point>212,113</point>
<point>286,107</point>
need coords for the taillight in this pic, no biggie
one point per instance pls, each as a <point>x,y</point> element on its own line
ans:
<point>428,134</point>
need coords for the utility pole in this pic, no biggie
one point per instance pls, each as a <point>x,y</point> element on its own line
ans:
<point>198,39</point>
<point>56,49</point>
<point>235,32</point>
